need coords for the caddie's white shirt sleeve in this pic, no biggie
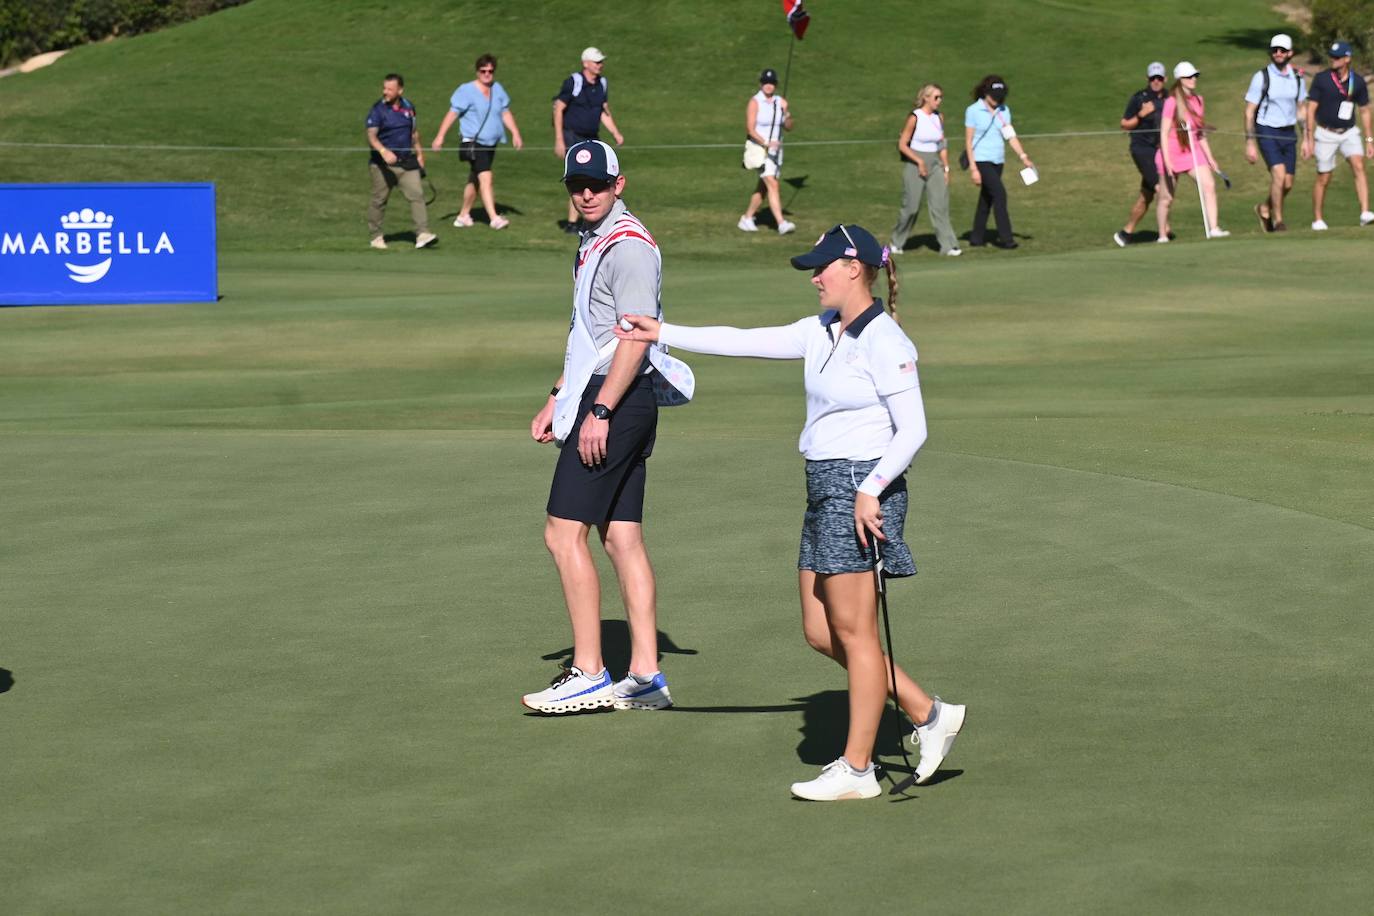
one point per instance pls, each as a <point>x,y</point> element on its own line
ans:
<point>785,342</point>
<point>908,434</point>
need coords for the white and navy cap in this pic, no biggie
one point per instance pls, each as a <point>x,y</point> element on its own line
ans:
<point>591,159</point>
<point>1155,69</point>
<point>1338,49</point>
<point>1184,69</point>
<point>843,242</point>
<point>593,54</point>
<point>1281,41</point>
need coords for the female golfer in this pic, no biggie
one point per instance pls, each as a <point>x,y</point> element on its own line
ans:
<point>1183,150</point>
<point>925,172</point>
<point>766,116</point>
<point>864,423</point>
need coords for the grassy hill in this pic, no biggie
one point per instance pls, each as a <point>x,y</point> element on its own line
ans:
<point>302,73</point>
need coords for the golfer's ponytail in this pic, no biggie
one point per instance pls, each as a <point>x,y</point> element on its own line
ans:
<point>892,287</point>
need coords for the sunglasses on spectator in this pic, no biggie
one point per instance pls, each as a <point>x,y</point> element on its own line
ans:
<point>486,69</point>
<point>1153,78</point>
<point>1279,51</point>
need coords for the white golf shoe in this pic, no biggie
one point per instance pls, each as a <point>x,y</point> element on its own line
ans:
<point>1319,225</point>
<point>462,222</point>
<point>937,738</point>
<point>839,782</point>
<point>747,224</point>
<point>379,243</point>
<point>1367,217</point>
<point>425,239</point>
<point>573,691</point>
<point>634,692</point>
<point>786,226</point>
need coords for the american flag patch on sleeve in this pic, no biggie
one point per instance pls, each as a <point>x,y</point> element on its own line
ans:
<point>908,366</point>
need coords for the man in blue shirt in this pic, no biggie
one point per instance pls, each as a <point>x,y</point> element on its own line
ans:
<point>580,108</point>
<point>1276,95</point>
<point>1331,132</point>
<point>397,159</point>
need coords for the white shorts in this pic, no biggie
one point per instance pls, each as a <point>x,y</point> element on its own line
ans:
<point>772,165</point>
<point>1330,146</point>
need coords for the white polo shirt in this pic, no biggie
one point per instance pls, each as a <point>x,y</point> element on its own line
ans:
<point>849,374</point>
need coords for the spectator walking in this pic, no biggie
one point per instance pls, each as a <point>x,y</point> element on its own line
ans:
<point>1273,105</point>
<point>1141,118</point>
<point>396,161</point>
<point>987,131</point>
<point>766,117</point>
<point>925,172</point>
<point>580,108</point>
<point>1331,132</point>
<point>482,109</point>
<point>1184,150</point>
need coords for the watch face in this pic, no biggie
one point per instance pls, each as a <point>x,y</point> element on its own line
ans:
<point>601,411</point>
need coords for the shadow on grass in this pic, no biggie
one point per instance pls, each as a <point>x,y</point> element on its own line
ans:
<point>6,680</point>
<point>1248,39</point>
<point>615,647</point>
<point>479,213</point>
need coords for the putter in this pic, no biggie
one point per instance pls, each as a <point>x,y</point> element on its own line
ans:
<point>1225,179</point>
<point>898,787</point>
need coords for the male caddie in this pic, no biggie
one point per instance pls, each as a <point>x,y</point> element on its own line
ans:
<point>603,411</point>
<point>1273,104</point>
<point>1331,130</point>
<point>582,105</point>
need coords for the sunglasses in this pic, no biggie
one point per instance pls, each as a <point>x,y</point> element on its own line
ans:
<point>1279,51</point>
<point>486,70</point>
<point>1153,78</point>
<point>579,185</point>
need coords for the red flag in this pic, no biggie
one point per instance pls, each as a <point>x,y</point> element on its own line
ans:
<point>797,17</point>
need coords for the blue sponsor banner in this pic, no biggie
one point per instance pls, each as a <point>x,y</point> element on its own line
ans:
<point>94,243</point>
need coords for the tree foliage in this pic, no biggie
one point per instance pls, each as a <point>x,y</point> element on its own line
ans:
<point>29,27</point>
<point>1344,20</point>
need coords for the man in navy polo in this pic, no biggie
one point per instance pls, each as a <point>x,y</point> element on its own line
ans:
<point>1141,118</point>
<point>1331,132</point>
<point>580,108</point>
<point>1272,103</point>
<point>396,160</point>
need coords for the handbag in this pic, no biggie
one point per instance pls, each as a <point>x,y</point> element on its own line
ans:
<point>963,157</point>
<point>467,150</point>
<point>755,154</point>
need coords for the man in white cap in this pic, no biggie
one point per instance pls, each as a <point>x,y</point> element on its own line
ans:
<point>1141,118</point>
<point>1333,100</point>
<point>1272,105</point>
<point>580,108</point>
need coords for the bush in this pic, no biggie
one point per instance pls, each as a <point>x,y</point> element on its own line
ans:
<point>29,27</point>
<point>1344,20</point>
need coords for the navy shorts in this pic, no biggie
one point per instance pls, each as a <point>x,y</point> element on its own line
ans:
<point>1149,170</point>
<point>613,491</point>
<point>829,543</point>
<point>1278,146</point>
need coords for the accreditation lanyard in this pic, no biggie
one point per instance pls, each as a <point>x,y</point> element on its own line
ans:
<point>1349,78</point>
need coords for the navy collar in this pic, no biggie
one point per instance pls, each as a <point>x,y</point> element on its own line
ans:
<point>856,327</point>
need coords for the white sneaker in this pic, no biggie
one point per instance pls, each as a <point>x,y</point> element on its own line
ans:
<point>937,738</point>
<point>1367,217</point>
<point>462,222</point>
<point>499,222</point>
<point>747,224</point>
<point>954,252</point>
<point>650,693</point>
<point>425,238</point>
<point>786,226</point>
<point>839,782</point>
<point>573,691</point>
<point>379,243</point>
<point>1162,240</point>
<point>1319,225</point>
<point>1219,234</point>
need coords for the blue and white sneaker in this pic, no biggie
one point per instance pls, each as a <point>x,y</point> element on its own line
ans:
<point>573,691</point>
<point>647,692</point>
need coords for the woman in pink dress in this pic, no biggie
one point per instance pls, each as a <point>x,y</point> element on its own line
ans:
<point>1183,149</point>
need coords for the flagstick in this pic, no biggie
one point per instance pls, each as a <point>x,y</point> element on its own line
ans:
<point>1192,145</point>
<point>787,73</point>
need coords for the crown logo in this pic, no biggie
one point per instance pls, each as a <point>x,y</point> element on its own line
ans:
<point>87,219</point>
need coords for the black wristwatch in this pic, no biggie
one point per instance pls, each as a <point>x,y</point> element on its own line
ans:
<point>601,411</point>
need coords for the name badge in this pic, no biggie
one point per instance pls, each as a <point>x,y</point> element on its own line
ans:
<point>1008,131</point>
<point>1346,111</point>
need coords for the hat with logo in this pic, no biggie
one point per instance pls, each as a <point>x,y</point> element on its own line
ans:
<point>1155,69</point>
<point>1183,69</point>
<point>593,54</point>
<point>843,242</point>
<point>590,159</point>
<point>768,76</point>
<point>1338,49</point>
<point>1281,41</point>
<point>998,91</point>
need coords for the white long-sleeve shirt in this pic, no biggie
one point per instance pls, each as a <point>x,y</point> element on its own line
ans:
<point>863,397</point>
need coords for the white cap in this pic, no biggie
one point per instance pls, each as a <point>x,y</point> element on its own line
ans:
<point>1281,41</point>
<point>593,54</point>
<point>1183,69</point>
<point>1155,69</point>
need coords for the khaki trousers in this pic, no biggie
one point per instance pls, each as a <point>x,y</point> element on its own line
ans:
<point>384,179</point>
<point>935,190</point>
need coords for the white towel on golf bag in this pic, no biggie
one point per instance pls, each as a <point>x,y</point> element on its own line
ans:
<point>674,384</point>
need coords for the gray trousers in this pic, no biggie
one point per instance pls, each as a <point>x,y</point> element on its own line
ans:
<point>935,191</point>
<point>384,179</point>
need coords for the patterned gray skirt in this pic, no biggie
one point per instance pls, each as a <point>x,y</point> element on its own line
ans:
<point>829,543</point>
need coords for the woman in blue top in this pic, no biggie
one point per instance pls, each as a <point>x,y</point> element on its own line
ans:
<point>987,128</point>
<point>484,108</point>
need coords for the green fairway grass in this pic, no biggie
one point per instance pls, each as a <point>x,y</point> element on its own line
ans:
<point>273,584</point>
